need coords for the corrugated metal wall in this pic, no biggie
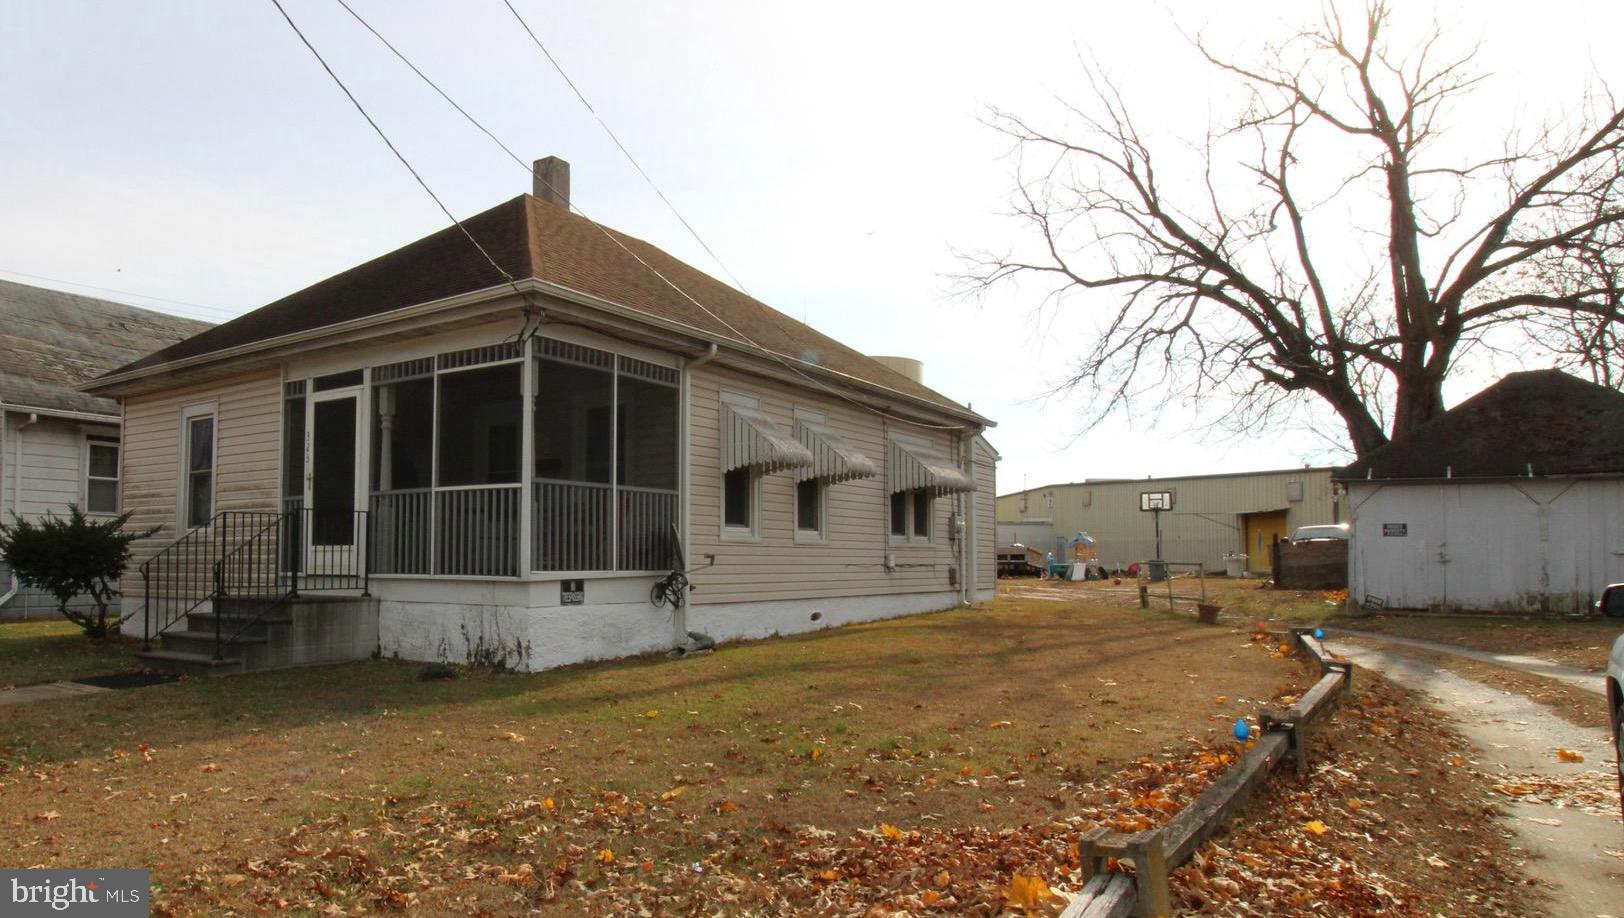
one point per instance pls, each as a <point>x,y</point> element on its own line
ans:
<point>1204,524</point>
<point>1535,545</point>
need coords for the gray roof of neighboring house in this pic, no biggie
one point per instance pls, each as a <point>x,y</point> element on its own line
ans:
<point>1544,420</point>
<point>54,342</point>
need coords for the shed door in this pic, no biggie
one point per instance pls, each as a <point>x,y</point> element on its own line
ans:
<point>1401,548</point>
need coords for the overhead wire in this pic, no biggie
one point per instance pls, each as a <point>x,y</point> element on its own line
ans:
<point>220,310</point>
<point>612,237</point>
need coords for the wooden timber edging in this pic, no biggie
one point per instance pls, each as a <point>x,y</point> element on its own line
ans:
<point>1155,853</point>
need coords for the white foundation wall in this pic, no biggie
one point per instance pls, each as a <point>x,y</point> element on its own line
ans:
<point>523,626</point>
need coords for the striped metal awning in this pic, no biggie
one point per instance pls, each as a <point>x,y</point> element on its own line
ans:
<point>917,467</point>
<point>750,439</point>
<point>833,459</point>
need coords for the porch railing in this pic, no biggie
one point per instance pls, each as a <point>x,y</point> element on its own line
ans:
<point>401,523</point>
<point>257,555</point>
<point>644,528</point>
<point>570,526</point>
<point>476,531</point>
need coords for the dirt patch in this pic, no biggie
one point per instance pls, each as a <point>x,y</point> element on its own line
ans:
<point>1582,643</point>
<point>1572,704</point>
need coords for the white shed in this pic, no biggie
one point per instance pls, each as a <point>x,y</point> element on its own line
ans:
<point>1512,500</point>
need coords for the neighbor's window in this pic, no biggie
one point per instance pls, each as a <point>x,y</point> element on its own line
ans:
<point>199,469</point>
<point>101,476</point>
<point>809,506</point>
<point>737,488</point>
<point>481,414</point>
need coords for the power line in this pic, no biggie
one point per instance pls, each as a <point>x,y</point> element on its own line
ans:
<point>740,335</point>
<point>393,149</point>
<point>143,296</point>
<point>622,147</point>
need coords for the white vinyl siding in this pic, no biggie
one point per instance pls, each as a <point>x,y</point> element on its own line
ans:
<point>247,458</point>
<point>851,559</point>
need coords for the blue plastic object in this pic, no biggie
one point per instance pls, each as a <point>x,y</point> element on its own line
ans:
<point>1319,634</point>
<point>1243,732</point>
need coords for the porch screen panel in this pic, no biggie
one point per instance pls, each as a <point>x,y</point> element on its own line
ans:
<point>648,413</point>
<point>476,511</point>
<point>574,458</point>
<point>402,469</point>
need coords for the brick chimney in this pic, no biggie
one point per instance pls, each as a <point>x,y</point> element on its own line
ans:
<point>552,181</point>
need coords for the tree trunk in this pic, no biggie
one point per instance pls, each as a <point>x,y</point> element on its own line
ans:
<point>1419,401</point>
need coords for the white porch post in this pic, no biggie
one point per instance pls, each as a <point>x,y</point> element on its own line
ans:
<point>527,459</point>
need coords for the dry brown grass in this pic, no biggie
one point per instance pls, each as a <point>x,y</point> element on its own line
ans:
<point>974,720</point>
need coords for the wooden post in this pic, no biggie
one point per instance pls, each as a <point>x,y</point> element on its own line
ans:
<point>1155,897</point>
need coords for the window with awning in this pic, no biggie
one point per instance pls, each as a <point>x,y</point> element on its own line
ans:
<point>833,459</point>
<point>916,467</point>
<point>750,440</point>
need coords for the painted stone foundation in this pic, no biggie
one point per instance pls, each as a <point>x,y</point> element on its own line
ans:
<point>537,637</point>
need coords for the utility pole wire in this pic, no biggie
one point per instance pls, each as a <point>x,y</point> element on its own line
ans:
<point>622,147</point>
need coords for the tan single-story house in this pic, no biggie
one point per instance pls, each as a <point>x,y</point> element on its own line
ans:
<point>497,452</point>
<point>59,446</point>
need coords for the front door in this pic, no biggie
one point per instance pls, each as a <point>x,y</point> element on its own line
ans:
<point>332,483</point>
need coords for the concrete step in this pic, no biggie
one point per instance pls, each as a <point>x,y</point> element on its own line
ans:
<point>244,625</point>
<point>203,641</point>
<point>190,664</point>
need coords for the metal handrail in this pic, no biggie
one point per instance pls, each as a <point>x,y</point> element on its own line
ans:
<point>179,567</point>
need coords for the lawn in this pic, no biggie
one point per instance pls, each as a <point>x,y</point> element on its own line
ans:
<point>915,763</point>
<point>49,650</point>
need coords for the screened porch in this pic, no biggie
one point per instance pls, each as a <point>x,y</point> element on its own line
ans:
<point>545,456</point>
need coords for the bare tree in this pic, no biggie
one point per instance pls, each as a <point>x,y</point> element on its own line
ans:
<point>1216,286</point>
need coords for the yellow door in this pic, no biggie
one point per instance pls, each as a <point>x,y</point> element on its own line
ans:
<point>1261,531</point>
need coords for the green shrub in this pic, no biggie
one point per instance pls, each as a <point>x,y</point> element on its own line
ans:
<point>66,558</point>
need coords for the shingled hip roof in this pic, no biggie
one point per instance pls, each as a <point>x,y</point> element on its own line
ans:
<point>1540,422</point>
<point>530,238</point>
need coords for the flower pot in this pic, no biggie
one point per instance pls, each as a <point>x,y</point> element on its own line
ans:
<point>1207,612</point>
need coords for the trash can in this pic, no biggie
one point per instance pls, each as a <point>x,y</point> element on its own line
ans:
<point>1158,570</point>
<point>1234,564</point>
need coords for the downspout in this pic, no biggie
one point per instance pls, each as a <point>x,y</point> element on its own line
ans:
<point>967,457</point>
<point>679,615</point>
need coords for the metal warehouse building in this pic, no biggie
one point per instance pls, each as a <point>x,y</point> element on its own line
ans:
<point>1212,515</point>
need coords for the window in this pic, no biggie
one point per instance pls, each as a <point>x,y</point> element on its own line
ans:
<point>809,506</point>
<point>197,493</point>
<point>403,435</point>
<point>911,514</point>
<point>738,511</point>
<point>921,513</point>
<point>101,475</point>
<point>648,415</point>
<point>481,412</point>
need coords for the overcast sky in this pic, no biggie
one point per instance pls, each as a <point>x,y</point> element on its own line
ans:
<point>832,154</point>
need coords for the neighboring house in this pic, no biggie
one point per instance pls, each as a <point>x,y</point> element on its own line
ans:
<point>507,466</point>
<point>59,446</point>
<point>1212,515</point>
<point>1511,500</point>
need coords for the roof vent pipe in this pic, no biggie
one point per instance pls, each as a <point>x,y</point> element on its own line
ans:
<point>1449,471</point>
<point>551,180</point>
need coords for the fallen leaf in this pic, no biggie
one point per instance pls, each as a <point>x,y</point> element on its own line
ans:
<point>890,831</point>
<point>674,792</point>
<point>828,876</point>
<point>651,713</point>
<point>1314,826</point>
<point>1027,892</point>
<point>48,816</point>
<point>512,737</point>
<point>1569,755</point>
<point>606,856</point>
<point>1001,724</point>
